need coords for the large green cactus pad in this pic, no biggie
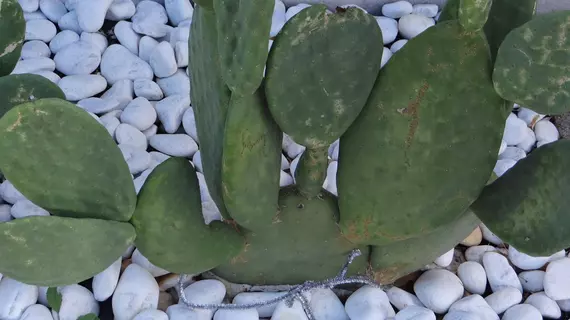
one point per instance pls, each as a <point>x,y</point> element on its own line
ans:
<point>450,11</point>
<point>533,64</point>
<point>303,244</point>
<point>208,4</point>
<point>21,88</point>
<point>56,251</point>
<point>313,94</point>
<point>13,25</point>
<point>170,227</point>
<point>243,39</point>
<point>251,162</point>
<point>210,99</point>
<point>505,16</point>
<point>426,142</point>
<point>398,259</point>
<point>473,14</point>
<point>63,160</point>
<point>527,207</point>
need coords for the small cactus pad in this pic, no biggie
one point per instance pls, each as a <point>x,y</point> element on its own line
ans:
<point>56,251</point>
<point>450,11</point>
<point>473,14</point>
<point>505,16</point>
<point>426,142</point>
<point>251,162</point>
<point>312,171</point>
<point>393,261</point>
<point>533,64</point>
<point>527,207</point>
<point>63,160</point>
<point>304,243</point>
<point>243,41</point>
<point>314,95</point>
<point>22,88</point>
<point>13,28</point>
<point>170,227</point>
<point>210,99</point>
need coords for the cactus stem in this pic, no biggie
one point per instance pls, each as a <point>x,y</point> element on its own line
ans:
<point>312,171</point>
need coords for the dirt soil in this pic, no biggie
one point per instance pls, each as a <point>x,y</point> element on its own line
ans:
<point>562,122</point>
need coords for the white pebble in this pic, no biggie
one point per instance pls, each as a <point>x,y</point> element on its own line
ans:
<point>515,130</point>
<point>499,272</point>
<point>25,208</point>
<point>146,47</point>
<point>152,29</point>
<point>35,49</point>
<point>179,34</point>
<point>529,141</point>
<point>36,15</point>
<point>529,116</point>
<point>48,75</point>
<point>15,297</point>
<point>473,276</point>
<point>369,303</point>
<point>78,58</point>
<point>557,279</point>
<point>522,312</point>
<point>76,301</point>
<point>127,134</point>
<point>291,148</point>
<point>283,312</point>
<point>177,84</point>
<point>176,145</point>
<point>147,89</point>
<point>197,161</point>
<point>121,91</point>
<point>475,304</point>
<point>326,305</point>
<point>461,315</point>
<point>181,54</point>
<point>445,259</point>
<point>9,193</point>
<point>402,299</point>
<point>284,161</point>
<point>412,25</point>
<point>503,299</point>
<point>292,11</point>
<point>564,305</point>
<point>81,86</point>
<point>397,9</point>
<point>247,314</point>
<point>34,65</point>
<point>62,40</point>
<point>513,153</point>
<point>150,131</point>
<point>91,14</point>
<point>386,55</point>
<point>137,290</point>
<point>389,28</point>
<point>426,10</point>
<point>163,61</point>
<point>139,113</point>
<point>43,30</point>
<point>252,297</point>
<point>53,9</point>
<point>105,282</point>
<point>396,46</point>
<point>121,10</point>
<point>415,313</point>
<point>205,292</point>
<point>142,261</point>
<point>285,179</point>
<point>330,180</point>
<point>189,124</point>
<point>438,289</point>
<point>181,312</point>
<point>546,306</point>
<point>96,39</point>
<point>70,4</point>
<point>294,164</point>
<point>490,236</point>
<point>151,314</point>
<point>5,215</point>
<point>170,111</point>
<point>150,11</point>
<point>29,5</point>
<point>526,262</point>
<point>127,36</point>
<point>137,160</point>
<point>69,22</point>
<point>97,105</point>
<point>178,10</point>
<point>278,19</point>
<point>36,312</point>
<point>545,132</point>
<point>532,281</point>
<point>118,63</point>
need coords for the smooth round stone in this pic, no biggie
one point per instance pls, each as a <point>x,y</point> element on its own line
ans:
<point>9,193</point>
<point>121,91</point>
<point>292,11</point>
<point>62,40</point>
<point>402,299</point>
<point>91,14</point>
<point>53,9</point>
<point>137,290</point>
<point>503,299</point>
<point>139,113</point>
<point>163,61</point>
<point>146,47</point>
<point>526,262</point>
<point>25,208</point>
<point>15,297</point>
<point>515,130</point>
<point>150,131</point>
<point>426,10</point>
<point>29,5</point>
<point>438,289</point>
<point>152,29</point>
<point>474,239</point>
<point>118,63</point>
<point>285,179</point>
<point>34,65</point>
<point>461,315</point>
<point>389,28</point>
<point>105,282</point>
<point>296,312</point>
<point>397,9</point>
<point>415,313</point>
<point>513,153</point>
<point>36,312</point>
<point>386,56</point>
<point>546,306</point>
<point>71,4</point>
<point>181,54</point>
<point>96,39</point>
<point>205,292</point>
<point>412,25</point>
<point>475,304</point>
<point>445,259</point>
<point>530,117</point>
<point>121,10</point>
<point>522,312</point>
<point>40,29</point>
<point>396,46</point>
<point>147,89</point>
<point>150,11</point>
<point>189,124</point>
<point>178,10</point>
<point>69,22</point>
<point>127,134</point>
<point>532,281</point>
<point>564,305</point>
<point>502,166</point>
<point>247,314</point>
<point>137,160</point>
<point>253,297</point>
<point>197,161</point>
<point>151,314</point>
<point>5,215</point>
<point>557,279</point>
<point>489,235</point>
<point>35,49</point>
<point>170,111</point>
<point>278,19</point>
<point>98,105</point>
<point>42,296</point>
<point>529,141</point>
<point>76,301</point>
<point>177,84</point>
<point>369,303</point>
<point>78,58</point>
<point>499,272</point>
<point>176,145</point>
<point>81,86</point>
<point>546,132</point>
<point>48,75</point>
<point>326,305</point>
<point>473,276</point>
<point>127,36</point>
<point>142,261</point>
<point>36,15</point>
<point>182,312</point>
<point>179,34</point>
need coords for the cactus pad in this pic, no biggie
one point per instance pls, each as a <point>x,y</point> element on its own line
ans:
<point>63,160</point>
<point>13,28</point>
<point>314,95</point>
<point>312,171</point>
<point>22,88</point>
<point>210,99</point>
<point>450,11</point>
<point>57,251</point>
<point>243,39</point>
<point>208,4</point>
<point>426,142</point>
<point>528,206</point>
<point>473,14</point>
<point>170,227</point>
<point>251,162</point>
<point>533,64</point>
<point>304,243</point>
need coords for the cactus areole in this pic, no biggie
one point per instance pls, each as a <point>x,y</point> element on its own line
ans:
<point>418,142</point>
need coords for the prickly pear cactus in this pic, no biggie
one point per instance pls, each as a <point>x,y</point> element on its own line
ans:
<point>22,88</point>
<point>473,14</point>
<point>13,25</point>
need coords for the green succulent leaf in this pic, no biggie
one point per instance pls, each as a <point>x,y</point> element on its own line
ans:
<point>54,298</point>
<point>473,14</point>
<point>21,88</point>
<point>450,11</point>
<point>90,316</point>
<point>13,25</point>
